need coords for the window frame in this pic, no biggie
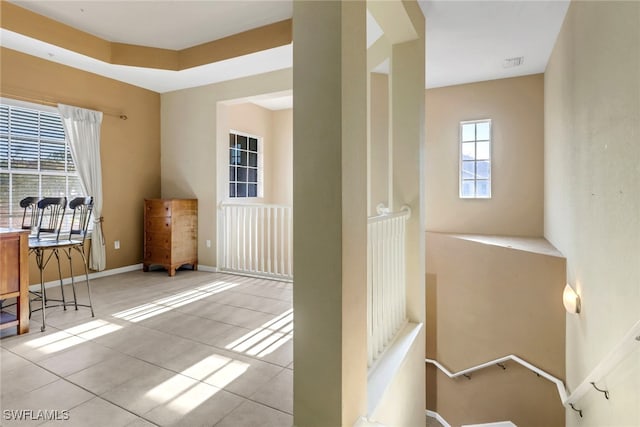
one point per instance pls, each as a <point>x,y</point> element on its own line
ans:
<point>14,218</point>
<point>259,168</point>
<point>461,160</point>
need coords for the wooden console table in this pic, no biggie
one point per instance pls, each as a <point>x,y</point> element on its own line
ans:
<point>14,275</point>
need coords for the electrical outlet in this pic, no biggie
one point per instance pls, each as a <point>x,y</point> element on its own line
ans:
<point>208,243</point>
<point>116,244</point>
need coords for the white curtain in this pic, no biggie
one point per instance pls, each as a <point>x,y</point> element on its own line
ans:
<point>82,128</point>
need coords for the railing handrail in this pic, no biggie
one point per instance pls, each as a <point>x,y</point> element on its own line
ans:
<point>559,384</point>
<point>255,205</point>
<point>610,361</point>
<point>405,211</point>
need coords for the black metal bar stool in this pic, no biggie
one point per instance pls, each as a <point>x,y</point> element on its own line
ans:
<point>44,246</point>
<point>82,208</point>
<point>29,222</point>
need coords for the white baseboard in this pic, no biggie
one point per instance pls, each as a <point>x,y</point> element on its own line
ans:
<point>257,276</point>
<point>438,417</point>
<point>94,275</point>
<point>104,273</point>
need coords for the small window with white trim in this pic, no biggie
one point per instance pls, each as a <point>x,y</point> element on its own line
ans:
<point>245,165</point>
<point>475,159</point>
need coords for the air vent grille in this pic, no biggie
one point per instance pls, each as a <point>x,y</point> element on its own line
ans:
<point>513,62</point>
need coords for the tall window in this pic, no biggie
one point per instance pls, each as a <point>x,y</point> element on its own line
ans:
<point>245,165</point>
<point>475,159</point>
<point>35,159</point>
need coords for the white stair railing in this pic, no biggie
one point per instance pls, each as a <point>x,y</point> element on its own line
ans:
<point>386,293</point>
<point>499,362</point>
<point>256,239</point>
<point>628,344</point>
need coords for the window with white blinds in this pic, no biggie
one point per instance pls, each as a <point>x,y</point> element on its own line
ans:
<point>35,159</point>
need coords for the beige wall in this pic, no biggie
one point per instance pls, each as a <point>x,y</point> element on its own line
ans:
<point>401,406</point>
<point>490,300</point>
<point>191,155</point>
<point>378,141</point>
<point>329,213</point>
<point>592,193</point>
<point>516,108</point>
<point>282,157</point>
<point>130,149</point>
<point>276,129</point>
<point>330,209</point>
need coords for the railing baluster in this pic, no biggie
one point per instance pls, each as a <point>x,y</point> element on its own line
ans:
<point>236,238</point>
<point>250,238</point>
<point>255,266</point>
<point>403,272</point>
<point>244,239</point>
<point>290,242</point>
<point>282,218</point>
<point>257,239</point>
<point>386,279</point>
<point>394,278</point>
<point>379,288</point>
<point>369,299</point>
<point>262,253</point>
<point>376,291</point>
<point>269,268</point>
<point>228,231</point>
<point>275,240</point>
<point>223,221</point>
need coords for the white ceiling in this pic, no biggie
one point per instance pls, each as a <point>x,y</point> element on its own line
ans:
<point>156,80</point>
<point>467,41</point>
<point>275,102</point>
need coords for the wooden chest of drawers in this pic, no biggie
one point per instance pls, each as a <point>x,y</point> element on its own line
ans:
<point>14,276</point>
<point>170,233</point>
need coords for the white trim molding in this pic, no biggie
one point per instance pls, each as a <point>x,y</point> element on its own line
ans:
<point>559,384</point>
<point>94,275</point>
<point>104,273</point>
<point>438,417</point>
<point>629,342</point>
<point>208,268</point>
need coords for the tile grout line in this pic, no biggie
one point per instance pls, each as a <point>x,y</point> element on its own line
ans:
<point>213,347</point>
<point>60,377</point>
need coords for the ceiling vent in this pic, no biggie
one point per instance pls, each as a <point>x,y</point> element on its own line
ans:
<point>513,62</point>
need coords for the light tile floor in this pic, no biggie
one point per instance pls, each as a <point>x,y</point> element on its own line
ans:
<point>197,349</point>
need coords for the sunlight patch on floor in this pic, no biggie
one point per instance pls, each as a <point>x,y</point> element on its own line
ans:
<point>165,304</point>
<point>192,398</point>
<point>93,329</point>
<point>217,370</point>
<point>170,389</point>
<point>266,338</point>
<point>54,342</point>
<point>182,394</point>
